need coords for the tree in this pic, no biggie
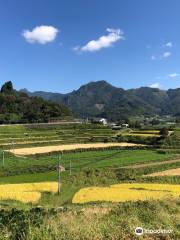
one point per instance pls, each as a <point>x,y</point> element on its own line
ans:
<point>7,87</point>
<point>155,121</point>
<point>164,132</point>
<point>178,120</point>
<point>17,107</point>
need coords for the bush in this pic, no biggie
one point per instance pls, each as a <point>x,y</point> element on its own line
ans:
<point>17,222</point>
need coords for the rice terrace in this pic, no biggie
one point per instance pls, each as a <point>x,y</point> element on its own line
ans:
<point>99,166</point>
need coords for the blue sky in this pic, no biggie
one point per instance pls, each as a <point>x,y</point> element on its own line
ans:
<point>57,45</point>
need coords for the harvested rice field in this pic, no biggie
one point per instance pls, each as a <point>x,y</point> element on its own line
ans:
<point>69,147</point>
<point>127,192</point>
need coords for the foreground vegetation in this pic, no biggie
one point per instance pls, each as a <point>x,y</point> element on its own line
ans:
<point>104,221</point>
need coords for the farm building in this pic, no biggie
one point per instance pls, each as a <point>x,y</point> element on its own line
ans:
<point>102,121</point>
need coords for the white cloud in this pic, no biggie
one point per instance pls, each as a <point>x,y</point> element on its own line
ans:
<point>155,85</point>
<point>76,48</point>
<point>41,34</point>
<point>166,55</point>
<point>153,57</point>
<point>168,44</point>
<point>160,57</point>
<point>173,75</point>
<point>105,41</point>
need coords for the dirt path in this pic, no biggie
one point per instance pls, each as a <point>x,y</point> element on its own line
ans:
<point>170,172</point>
<point>151,164</point>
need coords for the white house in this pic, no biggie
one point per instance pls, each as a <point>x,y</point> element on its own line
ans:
<point>125,125</point>
<point>103,121</point>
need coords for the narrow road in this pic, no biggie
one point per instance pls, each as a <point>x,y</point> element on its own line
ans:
<point>39,124</point>
<point>151,164</point>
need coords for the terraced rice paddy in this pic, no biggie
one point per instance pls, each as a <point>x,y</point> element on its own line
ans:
<point>94,159</point>
<point>29,142</point>
<point>69,147</point>
<point>143,133</point>
<point>127,192</point>
<point>31,180</point>
<point>43,135</point>
<point>50,140</point>
<point>27,192</point>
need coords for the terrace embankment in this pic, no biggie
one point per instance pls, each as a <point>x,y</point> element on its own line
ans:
<point>134,166</point>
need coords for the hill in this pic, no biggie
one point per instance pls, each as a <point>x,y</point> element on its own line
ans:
<point>18,107</point>
<point>101,99</point>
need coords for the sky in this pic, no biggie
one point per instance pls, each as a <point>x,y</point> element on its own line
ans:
<point>58,46</point>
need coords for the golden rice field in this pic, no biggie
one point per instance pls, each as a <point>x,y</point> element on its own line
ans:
<point>127,192</point>
<point>147,131</point>
<point>26,192</point>
<point>68,147</point>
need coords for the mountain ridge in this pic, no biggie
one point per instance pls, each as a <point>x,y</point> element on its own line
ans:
<point>101,99</point>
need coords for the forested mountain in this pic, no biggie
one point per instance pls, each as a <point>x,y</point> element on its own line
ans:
<point>100,99</point>
<point>18,107</point>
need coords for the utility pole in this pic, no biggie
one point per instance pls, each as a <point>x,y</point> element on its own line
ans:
<point>59,174</point>
<point>12,144</point>
<point>3,158</point>
<point>70,167</point>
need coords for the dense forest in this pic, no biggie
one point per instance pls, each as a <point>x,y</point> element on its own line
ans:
<point>18,107</point>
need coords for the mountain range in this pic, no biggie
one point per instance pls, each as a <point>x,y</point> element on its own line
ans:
<point>101,99</point>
